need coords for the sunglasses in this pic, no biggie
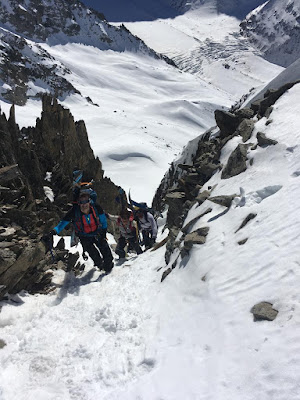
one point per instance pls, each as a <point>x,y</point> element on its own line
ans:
<point>84,201</point>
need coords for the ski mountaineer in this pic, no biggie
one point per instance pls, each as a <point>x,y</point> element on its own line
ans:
<point>147,226</point>
<point>128,232</point>
<point>90,226</point>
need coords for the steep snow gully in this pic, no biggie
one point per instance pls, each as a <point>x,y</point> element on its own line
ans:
<point>129,336</point>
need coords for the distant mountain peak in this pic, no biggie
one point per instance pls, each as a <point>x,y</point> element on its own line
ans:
<point>274,29</point>
<point>25,25</point>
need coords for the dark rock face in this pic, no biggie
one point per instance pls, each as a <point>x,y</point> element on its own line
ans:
<point>227,122</point>
<point>55,145</point>
<point>264,312</point>
<point>263,141</point>
<point>245,129</point>
<point>175,201</point>
<point>236,163</point>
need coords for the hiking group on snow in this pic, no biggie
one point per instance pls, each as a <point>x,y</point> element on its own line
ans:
<point>90,225</point>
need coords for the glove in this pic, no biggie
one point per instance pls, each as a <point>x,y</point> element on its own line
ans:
<point>48,237</point>
<point>48,240</point>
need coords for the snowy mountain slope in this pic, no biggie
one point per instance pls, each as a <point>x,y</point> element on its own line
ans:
<point>128,336</point>
<point>140,114</point>
<point>208,44</point>
<point>23,27</point>
<point>274,29</point>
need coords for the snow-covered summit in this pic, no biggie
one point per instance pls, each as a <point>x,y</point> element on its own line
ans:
<point>274,29</point>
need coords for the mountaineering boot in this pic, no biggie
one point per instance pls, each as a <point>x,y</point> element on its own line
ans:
<point>108,267</point>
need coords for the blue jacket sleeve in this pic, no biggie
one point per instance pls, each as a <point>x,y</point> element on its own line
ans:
<point>61,225</point>
<point>103,220</point>
<point>65,221</point>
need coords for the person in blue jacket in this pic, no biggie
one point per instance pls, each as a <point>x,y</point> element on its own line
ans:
<point>90,226</point>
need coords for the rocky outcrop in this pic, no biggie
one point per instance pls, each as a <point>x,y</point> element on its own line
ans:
<point>183,186</point>
<point>245,129</point>
<point>32,159</point>
<point>263,141</point>
<point>262,106</point>
<point>237,162</point>
<point>196,237</point>
<point>227,122</point>
<point>264,311</point>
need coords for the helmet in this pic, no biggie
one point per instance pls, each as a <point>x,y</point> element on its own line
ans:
<point>84,193</point>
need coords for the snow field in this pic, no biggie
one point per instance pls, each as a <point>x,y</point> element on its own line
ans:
<point>212,49</point>
<point>84,340</point>
<point>147,111</point>
<point>254,360</point>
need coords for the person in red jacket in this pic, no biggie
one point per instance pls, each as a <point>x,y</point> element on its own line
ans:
<point>90,226</point>
<point>128,232</point>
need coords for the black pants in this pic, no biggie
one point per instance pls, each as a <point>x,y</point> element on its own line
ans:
<point>147,239</point>
<point>122,243</point>
<point>97,246</point>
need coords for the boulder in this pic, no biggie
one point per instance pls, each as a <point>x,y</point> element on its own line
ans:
<point>245,129</point>
<point>246,220</point>
<point>27,261</point>
<point>245,113</point>
<point>236,163</point>
<point>196,237</point>
<point>227,122</point>
<point>263,141</point>
<point>224,200</point>
<point>263,311</point>
<point>202,196</point>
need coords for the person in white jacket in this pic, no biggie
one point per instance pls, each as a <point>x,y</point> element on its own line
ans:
<point>147,226</point>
